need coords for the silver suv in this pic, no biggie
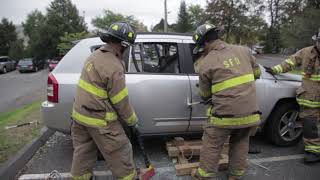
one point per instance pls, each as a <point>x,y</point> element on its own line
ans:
<point>6,64</point>
<point>163,89</point>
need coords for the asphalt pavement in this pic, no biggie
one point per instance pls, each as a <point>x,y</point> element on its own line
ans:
<point>276,163</point>
<point>19,89</point>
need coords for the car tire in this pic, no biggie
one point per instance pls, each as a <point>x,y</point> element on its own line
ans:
<point>4,70</point>
<point>284,127</point>
<point>36,69</point>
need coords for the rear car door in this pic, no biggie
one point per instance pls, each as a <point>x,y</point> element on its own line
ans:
<point>157,88</point>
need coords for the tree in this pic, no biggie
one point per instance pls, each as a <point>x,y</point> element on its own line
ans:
<point>227,14</point>
<point>197,15</point>
<point>110,17</point>
<point>183,23</point>
<point>7,36</point>
<point>16,50</point>
<point>34,23</point>
<point>276,10</point>
<point>62,17</point>
<point>68,40</point>
<point>297,32</point>
<point>160,27</point>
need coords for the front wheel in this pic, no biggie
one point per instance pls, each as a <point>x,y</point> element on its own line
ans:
<point>285,127</point>
<point>4,70</point>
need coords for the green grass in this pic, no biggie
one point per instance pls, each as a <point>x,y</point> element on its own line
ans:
<point>12,140</point>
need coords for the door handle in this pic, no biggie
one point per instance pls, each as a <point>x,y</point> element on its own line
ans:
<point>189,103</point>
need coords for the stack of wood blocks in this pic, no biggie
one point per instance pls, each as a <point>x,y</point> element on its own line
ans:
<point>185,155</point>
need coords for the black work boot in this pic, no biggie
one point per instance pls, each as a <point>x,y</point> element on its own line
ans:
<point>311,157</point>
<point>254,149</point>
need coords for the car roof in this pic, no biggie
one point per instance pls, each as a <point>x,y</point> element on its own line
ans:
<point>4,57</point>
<point>149,37</point>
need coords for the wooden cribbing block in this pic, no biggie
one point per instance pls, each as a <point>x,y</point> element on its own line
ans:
<point>186,169</point>
<point>194,150</point>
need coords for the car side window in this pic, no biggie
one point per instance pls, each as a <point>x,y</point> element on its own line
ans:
<point>155,58</point>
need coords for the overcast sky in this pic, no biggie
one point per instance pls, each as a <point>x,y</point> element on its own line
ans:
<point>148,11</point>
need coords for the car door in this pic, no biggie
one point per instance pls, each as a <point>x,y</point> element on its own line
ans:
<point>157,89</point>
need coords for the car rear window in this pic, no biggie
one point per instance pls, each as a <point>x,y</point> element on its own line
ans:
<point>25,62</point>
<point>3,59</point>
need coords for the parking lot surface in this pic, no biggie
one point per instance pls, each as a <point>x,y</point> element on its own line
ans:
<point>276,163</point>
<point>19,89</point>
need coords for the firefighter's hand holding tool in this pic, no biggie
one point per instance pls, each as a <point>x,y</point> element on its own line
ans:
<point>269,70</point>
<point>144,174</point>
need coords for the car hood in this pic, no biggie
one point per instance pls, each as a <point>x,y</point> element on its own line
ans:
<point>286,77</point>
<point>289,77</point>
<point>281,77</point>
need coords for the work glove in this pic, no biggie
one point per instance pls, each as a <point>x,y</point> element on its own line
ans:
<point>269,70</point>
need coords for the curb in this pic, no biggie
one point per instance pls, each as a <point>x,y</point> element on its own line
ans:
<point>12,167</point>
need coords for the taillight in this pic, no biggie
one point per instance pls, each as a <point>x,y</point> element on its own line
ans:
<point>52,89</point>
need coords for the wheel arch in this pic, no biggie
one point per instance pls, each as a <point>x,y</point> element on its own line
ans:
<point>277,104</point>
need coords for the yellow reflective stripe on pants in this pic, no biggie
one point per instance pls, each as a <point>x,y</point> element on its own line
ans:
<point>313,149</point>
<point>130,176</point>
<point>232,83</point>
<point>314,77</point>
<point>203,173</point>
<point>92,89</point>
<point>237,173</point>
<point>291,63</point>
<point>93,121</point>
<point>86,176</point>
<point>132,119</point>
<point>308,103</point>
<point>278,69</point>
<point>235,121</point>
<point>120,96</point>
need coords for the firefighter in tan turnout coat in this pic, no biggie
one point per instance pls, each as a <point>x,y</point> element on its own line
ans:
<point>308,94</point>
<point>227,74</point>
<point>101,100</point>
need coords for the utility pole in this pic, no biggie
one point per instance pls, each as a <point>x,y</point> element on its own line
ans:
<point>165,16</point>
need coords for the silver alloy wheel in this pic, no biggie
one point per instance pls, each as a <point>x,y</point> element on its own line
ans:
<point>4,70</point>
<point>289,127</point>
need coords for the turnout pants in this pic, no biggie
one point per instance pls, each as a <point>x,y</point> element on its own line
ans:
<point>310,118</point>
<point>112,143</point>
<point>213,140</point>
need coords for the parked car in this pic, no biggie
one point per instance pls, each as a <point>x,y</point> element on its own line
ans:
<point>6,64</point>
<point>53,63</point>
<point>163,90</point>
<point>30,64</point>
